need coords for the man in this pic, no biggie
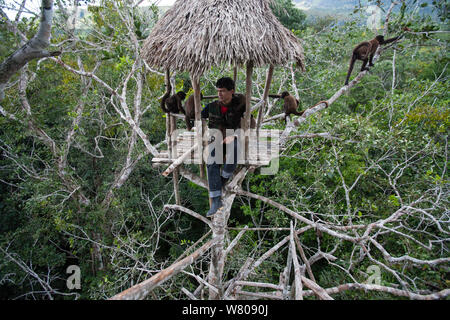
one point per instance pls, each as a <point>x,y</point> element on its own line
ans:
<point>225,113</point>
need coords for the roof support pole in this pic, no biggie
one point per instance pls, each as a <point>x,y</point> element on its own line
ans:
<point>168,137</point>
<point>265,95</point>
<point>263,105</point>
<point>248,107</point>
<point>171,125</point>
<point>199,124</point>
<point>176,174</point>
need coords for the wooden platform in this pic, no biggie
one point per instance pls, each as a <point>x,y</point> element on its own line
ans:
<point>261,151</point>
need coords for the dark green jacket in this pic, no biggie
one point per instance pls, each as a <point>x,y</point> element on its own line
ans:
<point>231,119</point>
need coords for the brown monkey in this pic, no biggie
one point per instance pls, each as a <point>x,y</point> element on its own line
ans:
<point>290,104</point>
<point>241,109</point>
<point>173,103</point>
<point>365,52</point>
<point>189,107</point>
<point>239,101</point>
<point>252,122</point>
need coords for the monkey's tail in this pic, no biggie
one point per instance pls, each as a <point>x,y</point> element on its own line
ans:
<point>163,102</point>
<point>303,111</point>
<point>350,68</point>
<point>167,94</point>
<point>274,96</point>
<point>299,113</point>
<point>322,101</point>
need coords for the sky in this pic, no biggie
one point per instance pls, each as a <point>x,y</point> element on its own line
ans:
<point>33,5</point>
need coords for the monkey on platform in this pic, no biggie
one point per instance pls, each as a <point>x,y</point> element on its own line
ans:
<point>189,107</point>
<point>173,103</point>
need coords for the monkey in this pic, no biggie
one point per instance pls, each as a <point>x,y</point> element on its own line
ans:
<point>290,104</point>
<point>241,109</point>
<point>173,103</point>
<point>189,107</point>
<point>365,52</point>
<point>252,122</point>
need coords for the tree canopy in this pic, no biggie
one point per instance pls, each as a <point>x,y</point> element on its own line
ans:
<point>358,208</point>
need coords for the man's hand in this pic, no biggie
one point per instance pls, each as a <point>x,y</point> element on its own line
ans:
<point>229,139</point>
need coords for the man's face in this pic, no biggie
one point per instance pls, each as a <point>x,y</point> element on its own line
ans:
<point>225,95</point>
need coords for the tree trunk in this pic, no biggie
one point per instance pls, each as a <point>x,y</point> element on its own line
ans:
<point>33,49</point>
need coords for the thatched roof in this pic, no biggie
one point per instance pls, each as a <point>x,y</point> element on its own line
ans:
<point>193,35</point>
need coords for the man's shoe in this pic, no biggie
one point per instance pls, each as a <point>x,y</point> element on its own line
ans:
<point>215,206</point>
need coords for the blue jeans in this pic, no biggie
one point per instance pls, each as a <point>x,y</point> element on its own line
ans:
<point>213,169</point>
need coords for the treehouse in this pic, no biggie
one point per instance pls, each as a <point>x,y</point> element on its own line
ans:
<point>192,37</point>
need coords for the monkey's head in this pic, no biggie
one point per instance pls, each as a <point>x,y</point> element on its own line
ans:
<point>181,95</point>
<point>380,39</point>
<point>284,94</point>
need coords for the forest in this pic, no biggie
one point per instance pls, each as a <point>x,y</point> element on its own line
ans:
<point>358,208</point>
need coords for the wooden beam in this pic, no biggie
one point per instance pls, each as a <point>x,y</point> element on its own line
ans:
<point>141,290</point>
<point>179,161</point>
<point>265,96</point>
<point>176,174</point>
<point>248,107</point>
<point>263,104</point>
<point>199,124</point>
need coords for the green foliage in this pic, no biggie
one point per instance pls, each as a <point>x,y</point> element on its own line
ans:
<point>290,16</point>
<point>44,224</point>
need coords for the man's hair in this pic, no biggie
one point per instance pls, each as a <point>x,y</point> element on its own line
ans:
<point>225,82</point>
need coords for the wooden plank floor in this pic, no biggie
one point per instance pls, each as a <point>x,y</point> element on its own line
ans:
<point>261,151</point>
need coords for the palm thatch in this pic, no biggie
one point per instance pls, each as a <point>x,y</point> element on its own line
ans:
<point>194,35</point>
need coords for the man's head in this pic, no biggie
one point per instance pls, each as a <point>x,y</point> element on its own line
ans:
<point>225,89</point>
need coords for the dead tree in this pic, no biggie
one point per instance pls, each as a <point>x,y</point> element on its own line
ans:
<point>32,49</point>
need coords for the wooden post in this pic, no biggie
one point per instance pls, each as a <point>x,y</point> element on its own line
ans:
<point>176,174</point>
<point>168,138</point>
<point>265,96</point>
<point>171,125</point>
<point>234,74</point>
<point>263,105</point>
<point>248,107</point>
<point>199,124</point>
<point>177,162</point>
